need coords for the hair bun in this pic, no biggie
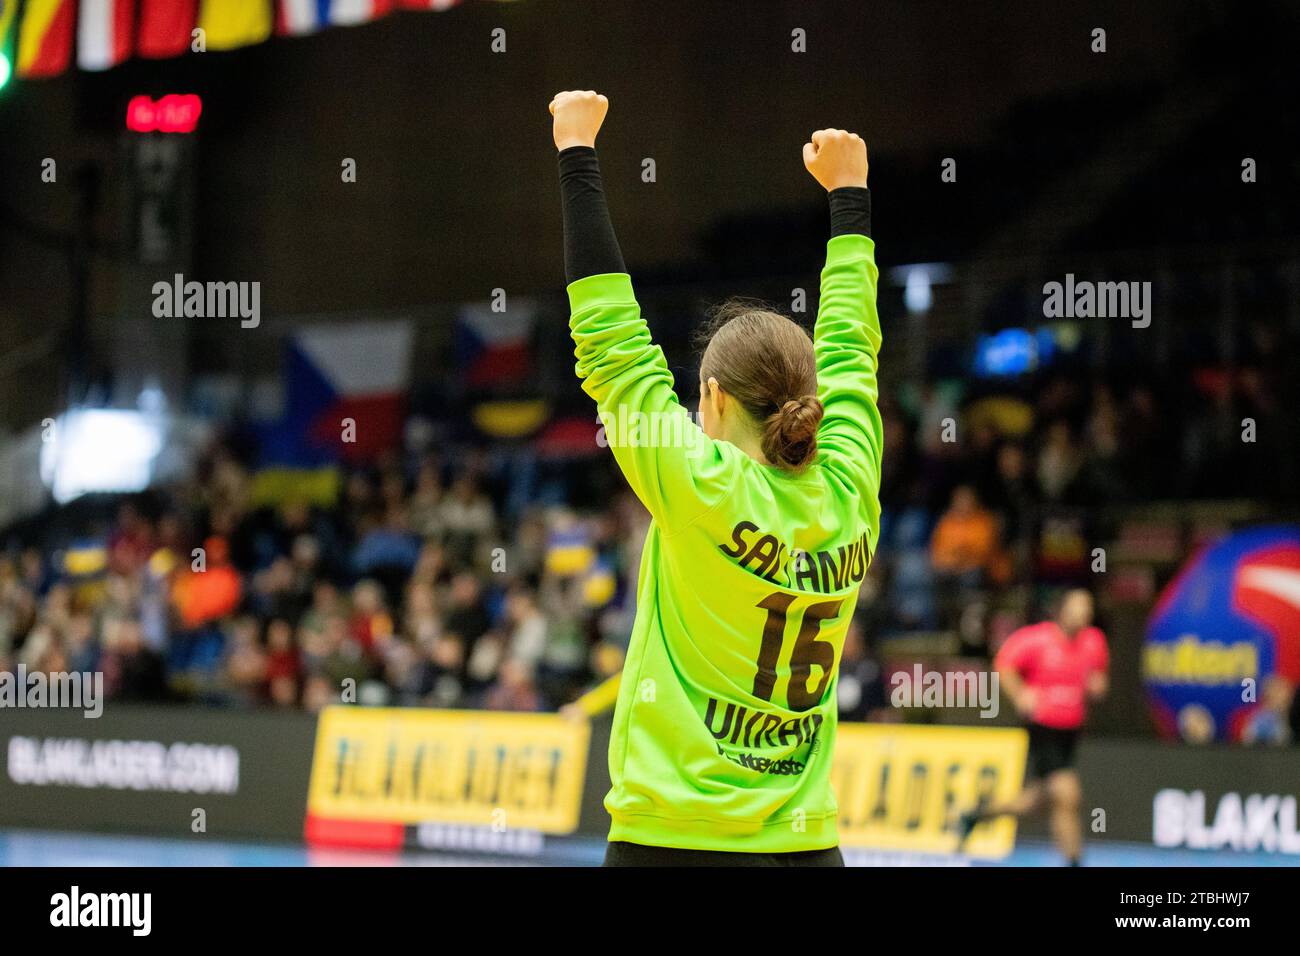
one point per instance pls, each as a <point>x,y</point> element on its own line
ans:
<point>790,433</point>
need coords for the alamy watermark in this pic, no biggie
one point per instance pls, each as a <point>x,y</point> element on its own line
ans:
<point>625,427</point>
<point>208,300</point>
<point>75,908</point>
<point>921,688</point>
<point>82,691</point>
<point>1084,299</point>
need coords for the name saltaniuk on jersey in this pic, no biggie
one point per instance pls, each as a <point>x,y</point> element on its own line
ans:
<point>822,572</point>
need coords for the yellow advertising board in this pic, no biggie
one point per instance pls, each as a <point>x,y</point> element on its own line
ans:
<point>411,766</point>
<point>900,786</point>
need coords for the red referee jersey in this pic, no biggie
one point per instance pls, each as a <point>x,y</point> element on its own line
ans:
<point>1056,668</point>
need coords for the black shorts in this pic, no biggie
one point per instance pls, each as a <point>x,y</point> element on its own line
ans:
<point>618,853</point>
<point>1050,750</point>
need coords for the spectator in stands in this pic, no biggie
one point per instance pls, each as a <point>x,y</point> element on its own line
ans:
<point>80,645</point>
<point>210,590</point>
<point>963,551</point>
<point>370,624</point>
<point>436,623</point>
<point>467,615</point>
<point>467,520</point>
<point>439,681</point>
<point>318,692</point>
<point>132,672</point>
<point>325,603</point>
<point>34,571</point>
<point>527,628</point>
<point>965,540</point>
<point>18,608</point>
<point>246,664</point>
<point>936,409</point>
<point>1270,723</point>
<point>387,551</point>
<point>272,593</point>
<point>424,511</point>
<point>1059,462</point>
<point>1103,445</point>
<point>421,622</point>
<point>283,665</point>
<point>514,689</point>
<point>401,665</point>
<point>131,543</point>
<point>1013,494</point>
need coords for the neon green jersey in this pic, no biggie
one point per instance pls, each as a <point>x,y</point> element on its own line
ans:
<point>725,722</point>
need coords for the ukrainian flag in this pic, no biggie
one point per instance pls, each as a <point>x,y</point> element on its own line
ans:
<point>569,552</point>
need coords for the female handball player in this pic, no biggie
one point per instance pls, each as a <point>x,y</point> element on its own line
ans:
<point>765,515</point>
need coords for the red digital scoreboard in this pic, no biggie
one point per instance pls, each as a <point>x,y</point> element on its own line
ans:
<point>173,113</point>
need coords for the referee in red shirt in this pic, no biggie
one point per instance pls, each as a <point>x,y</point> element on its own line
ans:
<point>1051,671</point>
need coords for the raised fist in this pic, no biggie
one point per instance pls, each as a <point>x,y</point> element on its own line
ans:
<point>836,158</point>
<point>578,115</point>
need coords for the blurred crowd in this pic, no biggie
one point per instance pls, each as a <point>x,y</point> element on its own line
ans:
<point>422,585</point>
<point>408,591</point>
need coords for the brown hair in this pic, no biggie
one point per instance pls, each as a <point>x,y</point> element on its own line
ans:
<point>766,362</point>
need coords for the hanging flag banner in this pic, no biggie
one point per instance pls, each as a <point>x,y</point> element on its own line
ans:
<point>348,13</point>
<point>495,348</point>
<point>8,11</point>
<point>108,32</point>
<point>345,394</point>
<point>165,27</point>
<point>427,4</point>
<point>104,33</point>
<point>230,24</point>
<point>45,37</point>
<point>300,17</point>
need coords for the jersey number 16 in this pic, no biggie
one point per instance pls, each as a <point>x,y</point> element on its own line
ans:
<point>807,650</point>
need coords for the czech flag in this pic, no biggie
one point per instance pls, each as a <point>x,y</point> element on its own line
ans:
<point>345,394</point>
<point>495,347</point>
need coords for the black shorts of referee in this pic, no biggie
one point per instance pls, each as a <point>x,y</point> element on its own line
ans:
<point>1050,749</point>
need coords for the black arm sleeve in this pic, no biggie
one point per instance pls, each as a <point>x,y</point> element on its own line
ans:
<point>590,246</point>
<point>850,211</point>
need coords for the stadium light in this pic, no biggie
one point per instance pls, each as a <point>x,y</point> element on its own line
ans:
<point>916,292</point>
<point>918,280</point>
<point>100,450</point>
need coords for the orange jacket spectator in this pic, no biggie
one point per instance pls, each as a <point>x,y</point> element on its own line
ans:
<point>966,537</point>
<point>203,596</point>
